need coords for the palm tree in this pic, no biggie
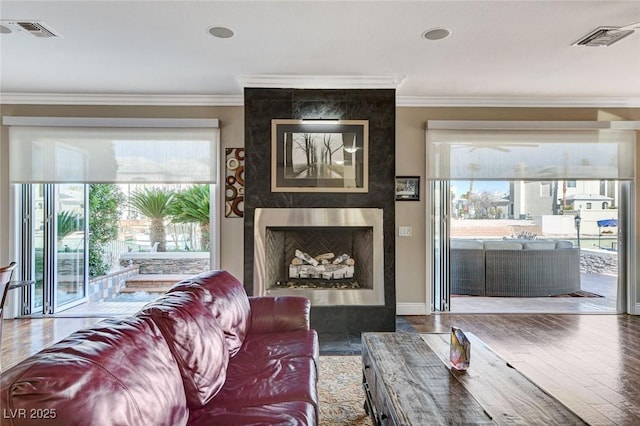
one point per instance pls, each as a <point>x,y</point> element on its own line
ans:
<point>192,206</point>
<point>153,203</point>
<point>68,223</point>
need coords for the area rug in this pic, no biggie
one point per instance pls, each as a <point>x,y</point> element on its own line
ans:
<point>340,393</point>
<point>579,293</point>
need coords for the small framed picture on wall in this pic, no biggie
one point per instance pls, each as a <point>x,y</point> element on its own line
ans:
<point>407,188</point>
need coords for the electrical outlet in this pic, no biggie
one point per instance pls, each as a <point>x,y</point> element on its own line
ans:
<point>404,231</point>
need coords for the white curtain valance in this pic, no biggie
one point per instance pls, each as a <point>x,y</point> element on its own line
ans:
<point>530,154</point>
<point>93,154</point>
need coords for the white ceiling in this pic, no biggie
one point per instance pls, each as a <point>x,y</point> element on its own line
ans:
<point>499,52</point>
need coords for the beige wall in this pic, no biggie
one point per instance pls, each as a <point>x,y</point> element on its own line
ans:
<point>411,281</point>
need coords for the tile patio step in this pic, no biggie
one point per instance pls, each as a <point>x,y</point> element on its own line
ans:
<point>154,289</point>
<point>152,283</point>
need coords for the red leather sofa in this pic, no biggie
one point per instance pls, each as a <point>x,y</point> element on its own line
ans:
<point>202,354</point>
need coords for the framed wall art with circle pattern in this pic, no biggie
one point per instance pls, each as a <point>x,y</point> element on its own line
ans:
<point>234,182</point>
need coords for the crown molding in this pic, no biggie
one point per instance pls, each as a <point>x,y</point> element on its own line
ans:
<point>200,123</point>
<point>120,99</point>
<point>506,101</point>
<point>238,100</point>
<point>322,81</point>
<point>531,125</point>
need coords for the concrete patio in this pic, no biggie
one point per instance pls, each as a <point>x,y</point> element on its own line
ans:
<point>602,284</point>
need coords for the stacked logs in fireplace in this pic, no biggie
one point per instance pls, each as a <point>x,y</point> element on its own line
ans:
<point>325,270</point>
<point>325,266</point>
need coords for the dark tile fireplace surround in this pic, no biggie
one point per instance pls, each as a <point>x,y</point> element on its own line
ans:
<point>376,106</point>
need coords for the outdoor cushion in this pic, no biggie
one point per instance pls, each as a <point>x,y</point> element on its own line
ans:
<point>502,245</point>
<point>540,245</point>
<point>466,244</point>
<point>563,244</point>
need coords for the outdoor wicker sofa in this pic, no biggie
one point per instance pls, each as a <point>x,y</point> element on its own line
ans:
<point>535,268</point>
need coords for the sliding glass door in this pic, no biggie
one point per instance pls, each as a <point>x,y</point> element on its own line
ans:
<point>440,203</point>
<point>54,246</point>
<point>71,244</point>
<point>557,181</point>
<point>54,163</point>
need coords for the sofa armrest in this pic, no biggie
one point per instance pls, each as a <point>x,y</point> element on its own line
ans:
<point>283,313</point>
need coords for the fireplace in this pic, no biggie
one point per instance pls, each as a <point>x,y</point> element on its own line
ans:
<point>352,310</point>
<point>333,256</point>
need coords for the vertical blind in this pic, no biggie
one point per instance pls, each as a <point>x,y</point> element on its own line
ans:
<point>529,153</point>
<point>170,151</point>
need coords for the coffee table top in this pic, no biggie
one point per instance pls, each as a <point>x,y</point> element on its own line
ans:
<point>416,376</point>
<point>413,386</point>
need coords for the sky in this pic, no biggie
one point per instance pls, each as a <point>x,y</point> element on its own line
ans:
<point>462,186</point>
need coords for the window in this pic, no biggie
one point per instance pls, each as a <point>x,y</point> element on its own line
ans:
<point>56,158</point>
<point>538,152</point>
<point>588,206</point>
<point>545,189</point>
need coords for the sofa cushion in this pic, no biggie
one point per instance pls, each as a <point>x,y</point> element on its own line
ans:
<point>466,244</point>
<point>227,300</point>
<point>502,245</point>
<point>279,313</point>
<point>281,413</point>
<point>292,344</point>
<point>272,368</point>
<point>260,381</point>
<point>117,372</point>
<point>539,245</point>
<point>196,341</point>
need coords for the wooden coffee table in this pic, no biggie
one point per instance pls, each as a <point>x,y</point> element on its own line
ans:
<point>407,381</point>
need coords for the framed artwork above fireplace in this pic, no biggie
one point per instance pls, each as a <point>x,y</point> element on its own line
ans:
<point>319,155</point>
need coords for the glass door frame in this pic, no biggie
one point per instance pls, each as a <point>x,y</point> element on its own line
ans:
<point>27,250</point>
<point>84,276</point>
<point>440,199</point>
<point>437,225</point>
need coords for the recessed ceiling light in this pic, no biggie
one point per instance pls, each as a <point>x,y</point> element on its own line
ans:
<point>220,32</point>
<point>436,34</point>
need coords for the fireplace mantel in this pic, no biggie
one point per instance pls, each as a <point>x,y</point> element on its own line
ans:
<point>335,218</point>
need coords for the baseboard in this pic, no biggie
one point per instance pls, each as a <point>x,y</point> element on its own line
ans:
<point>637,310</point>
<point>411,309</point>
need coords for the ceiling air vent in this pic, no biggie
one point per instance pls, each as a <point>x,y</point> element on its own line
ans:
<point>35,28</point>
<point>603,36</point>
<point>606,36</point>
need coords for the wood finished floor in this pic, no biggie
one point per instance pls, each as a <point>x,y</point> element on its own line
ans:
<point>591,363</point>
<point>22,338</point>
